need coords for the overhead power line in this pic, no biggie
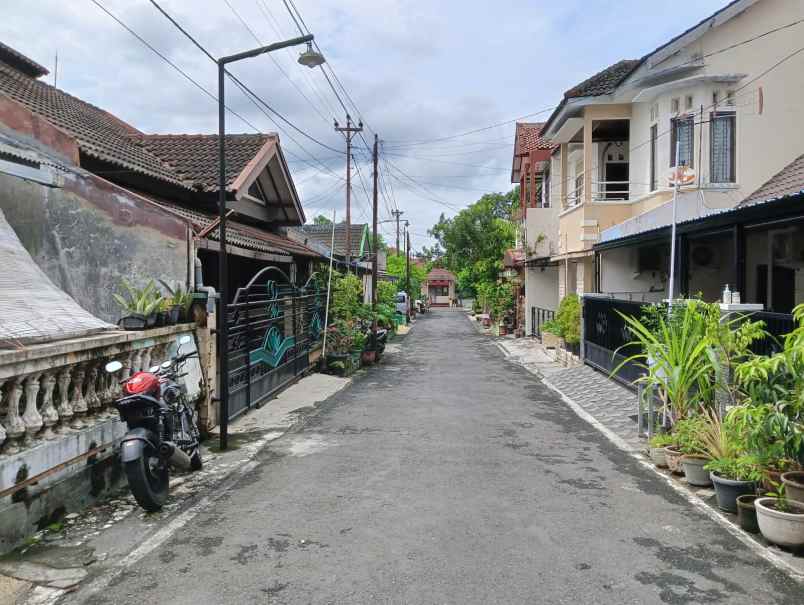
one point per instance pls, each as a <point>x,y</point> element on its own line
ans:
<point>237,81</point>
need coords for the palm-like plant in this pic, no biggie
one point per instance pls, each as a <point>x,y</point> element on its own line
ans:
<point>142,301</point>
<point>675,358</point>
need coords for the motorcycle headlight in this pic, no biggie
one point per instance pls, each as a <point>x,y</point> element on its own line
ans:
<point>170,395</point>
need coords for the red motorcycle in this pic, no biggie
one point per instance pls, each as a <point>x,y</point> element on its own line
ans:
<point>162,428</point>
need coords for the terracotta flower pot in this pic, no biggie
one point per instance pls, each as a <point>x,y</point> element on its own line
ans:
<point>673,456</point>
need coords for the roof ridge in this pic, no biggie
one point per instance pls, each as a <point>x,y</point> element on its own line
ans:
<point>200,135</point>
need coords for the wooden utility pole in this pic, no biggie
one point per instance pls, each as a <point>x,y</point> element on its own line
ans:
<point>374,248</point>
<point>349,131</point>
<point>397,214</point>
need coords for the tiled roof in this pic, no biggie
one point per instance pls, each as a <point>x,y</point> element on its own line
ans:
<point>439,273</point>
<point>189,161</point>
<point>788,181</point>
<point>528,137</point>
<point>98,133</point>
<point>194,157</point>
<point>20,62</point>
<point>323,235</point>
<point>604,82</point>
<point>238,234</point>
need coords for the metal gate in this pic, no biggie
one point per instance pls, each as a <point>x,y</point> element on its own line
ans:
<point>273,326</point>
<point>606,337</point>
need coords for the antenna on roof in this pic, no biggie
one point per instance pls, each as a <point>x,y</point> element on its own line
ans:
<point>56,71</point>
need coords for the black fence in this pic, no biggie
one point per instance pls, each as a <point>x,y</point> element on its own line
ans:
<point>538,317</point>
<point>777,325</point>
<point>606,337</point>
<point>273,326</point>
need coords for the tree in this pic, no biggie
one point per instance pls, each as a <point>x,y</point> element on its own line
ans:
<point>321,220</point>
<point>396,266</point>
<point>474,240</point>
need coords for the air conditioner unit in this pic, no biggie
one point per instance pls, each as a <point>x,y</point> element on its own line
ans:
<point>704,256</point>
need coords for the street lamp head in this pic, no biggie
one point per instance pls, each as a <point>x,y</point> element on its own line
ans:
<point>310,57</point>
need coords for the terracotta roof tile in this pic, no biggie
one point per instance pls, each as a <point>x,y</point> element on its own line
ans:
<point>788,181</point>
<point>98,133</point>
<point>238,234</point>
<point>439,273</point>
<point>194,157</point>
<point>529,137</point>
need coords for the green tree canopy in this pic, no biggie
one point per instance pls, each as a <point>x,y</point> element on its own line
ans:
<point>474,240</point>
<point>321,220</point>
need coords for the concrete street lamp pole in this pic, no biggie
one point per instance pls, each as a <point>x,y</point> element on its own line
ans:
<point>308,58</point>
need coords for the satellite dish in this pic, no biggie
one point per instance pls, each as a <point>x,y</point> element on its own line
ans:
<point>681,175</point>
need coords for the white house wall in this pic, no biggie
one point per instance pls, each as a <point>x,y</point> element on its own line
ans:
<point>620,276</point>
<point>541,290</point>
<point>769,132</point>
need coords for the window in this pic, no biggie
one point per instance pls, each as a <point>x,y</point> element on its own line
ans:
<point>674,106</point>
<point>715,98</point>
<point>682,131</point>
<point>654,135</point>
<point>654,112</point>
<point>688,100</point>
<point>722,148</point>
<point>546,191</point>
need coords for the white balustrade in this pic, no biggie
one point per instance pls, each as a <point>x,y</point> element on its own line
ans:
<point>57,388</point>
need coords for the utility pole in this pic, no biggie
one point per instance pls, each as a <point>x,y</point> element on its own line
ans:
<point>374,249</point>
<point>397,214</point>
<point>407,261</point>
<point>349,131</point>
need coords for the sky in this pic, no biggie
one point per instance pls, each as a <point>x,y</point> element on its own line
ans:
<point>414,71</point>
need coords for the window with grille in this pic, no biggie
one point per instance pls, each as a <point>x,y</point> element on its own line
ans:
<point>682,130</point>
<point>722,152</point>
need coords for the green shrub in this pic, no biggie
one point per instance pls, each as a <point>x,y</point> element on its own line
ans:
<point>743,468</point>
<point>568,317</point>
<point>662,440</point>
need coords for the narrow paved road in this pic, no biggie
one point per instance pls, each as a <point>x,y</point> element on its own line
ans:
<point>448,475</point>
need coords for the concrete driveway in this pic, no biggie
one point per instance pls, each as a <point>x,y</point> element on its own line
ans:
<point>448,475</point>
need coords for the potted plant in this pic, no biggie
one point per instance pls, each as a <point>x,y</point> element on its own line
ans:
<point>781,520</point>
<point>339,347</point>
<point>733,477</point>
<point>658,444</point>
<point>793,482</point>
<point>747,513</point>
<point>178,303</point>
<point>689,433</point>
<point>551,335</point>
<point>139,305</point>
<point>673,456</point>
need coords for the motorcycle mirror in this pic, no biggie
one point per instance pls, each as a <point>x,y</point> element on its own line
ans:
<point>166,364</point>
<point>184,339</point>
<point>113,366</point>
<point>153,369</point>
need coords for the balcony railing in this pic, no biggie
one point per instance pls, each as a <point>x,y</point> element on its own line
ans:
<point>611,191</point>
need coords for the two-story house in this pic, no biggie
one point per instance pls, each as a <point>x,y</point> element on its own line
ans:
<point>537,218</point>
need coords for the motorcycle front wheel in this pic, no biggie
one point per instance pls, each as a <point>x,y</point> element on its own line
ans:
<point>149,481</point>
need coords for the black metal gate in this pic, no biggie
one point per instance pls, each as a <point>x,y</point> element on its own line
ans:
<point>605,332</point>
<point>273,326</point>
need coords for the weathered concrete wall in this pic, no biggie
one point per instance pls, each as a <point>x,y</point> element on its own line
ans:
<point>90,234</point>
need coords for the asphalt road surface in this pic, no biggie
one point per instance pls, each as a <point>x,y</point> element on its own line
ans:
<point>448,475</point>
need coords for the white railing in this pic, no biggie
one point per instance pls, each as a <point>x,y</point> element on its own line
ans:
<point>611,191</point>
<point>575,195</point>
<point>50,390</point>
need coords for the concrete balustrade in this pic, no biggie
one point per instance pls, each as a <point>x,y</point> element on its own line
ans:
<point>47,391</point>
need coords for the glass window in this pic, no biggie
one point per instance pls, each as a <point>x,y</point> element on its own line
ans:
<point>682,130</point>
<point>722,148</point>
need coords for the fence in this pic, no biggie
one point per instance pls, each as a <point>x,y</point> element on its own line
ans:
<point>605,336</point>
<point>777,325</point>
<point>273,326</point>
<point>538,317</point>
